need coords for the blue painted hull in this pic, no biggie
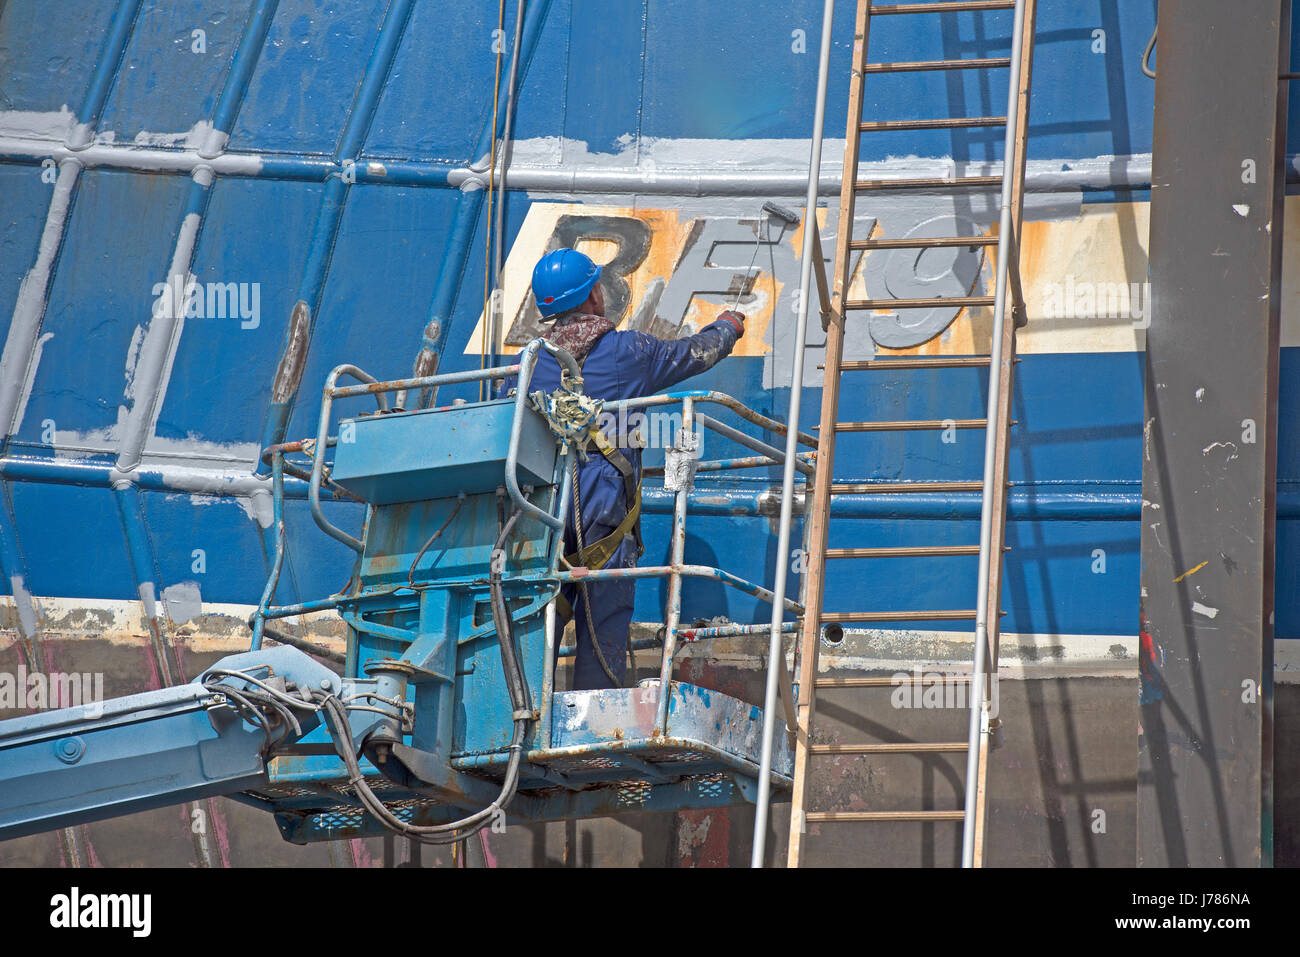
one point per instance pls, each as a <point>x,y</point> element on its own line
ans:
<point>341,185</point>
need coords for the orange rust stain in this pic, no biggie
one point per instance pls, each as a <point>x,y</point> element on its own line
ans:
<point>1034,243</point>
<point>796,237</point>
<point>383,563</point>
<point>758,315</point>
<point>669,232</point>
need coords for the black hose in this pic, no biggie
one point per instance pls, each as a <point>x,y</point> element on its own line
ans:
<point>310,647</point>
<point>515,679</point>
<point>410,576</point>
<point>454,832</point>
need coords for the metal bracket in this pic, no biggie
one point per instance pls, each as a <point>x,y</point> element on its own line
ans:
<point>681,460</point>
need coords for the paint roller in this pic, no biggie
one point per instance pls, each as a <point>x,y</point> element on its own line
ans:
<point>788,218</point>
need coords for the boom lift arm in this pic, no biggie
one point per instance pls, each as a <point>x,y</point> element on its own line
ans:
<point>212,736</point>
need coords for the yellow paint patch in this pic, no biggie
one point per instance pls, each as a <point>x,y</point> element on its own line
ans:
<point>668,235</point>
<point>1190,571</point>
<point>1105,245</point>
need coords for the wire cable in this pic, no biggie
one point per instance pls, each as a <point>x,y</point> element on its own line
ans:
<point>582,587</point>
<point>410,575</point>
<point>492,169</point>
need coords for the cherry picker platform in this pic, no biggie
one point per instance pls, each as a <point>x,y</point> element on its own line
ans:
<point>446,717</point>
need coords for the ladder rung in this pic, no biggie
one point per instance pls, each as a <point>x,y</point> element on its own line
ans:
<point>918,303</point>
<point>905,551</point>
<point>916,362</point>
<point>902,747</point>
<point>933,615</point>
<point>904,488</point>
<point>944,123</point>
<point>918,66</point>
<point>902,425</point>
<point>947,7</point>
<point>885,681</point>
<point>933,242</point>
<point>927,183</point>
<point>830,817</point>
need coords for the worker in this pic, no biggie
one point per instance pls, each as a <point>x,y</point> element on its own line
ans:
<point>615,365</point>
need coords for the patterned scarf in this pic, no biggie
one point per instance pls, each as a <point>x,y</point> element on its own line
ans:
<point>577,335</point>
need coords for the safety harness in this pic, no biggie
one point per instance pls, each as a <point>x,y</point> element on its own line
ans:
<point>572,416</point>
<point>597,554</point>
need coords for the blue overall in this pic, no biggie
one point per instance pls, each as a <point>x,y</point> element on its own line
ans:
<point>621,365</point>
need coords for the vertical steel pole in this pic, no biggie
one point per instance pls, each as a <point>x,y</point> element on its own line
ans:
<point>674,615</point>
<point>1211,443</point>
<point>1005,246</point>
<point>268,594</point>
<point>776,646</point>
<point>552,633</point>
<point>496,301</point>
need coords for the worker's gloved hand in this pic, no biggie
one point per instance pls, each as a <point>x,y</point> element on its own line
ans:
<point>737,319</point>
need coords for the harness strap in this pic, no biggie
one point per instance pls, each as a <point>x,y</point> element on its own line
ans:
<point>598,553</point>
<point>617,459</point>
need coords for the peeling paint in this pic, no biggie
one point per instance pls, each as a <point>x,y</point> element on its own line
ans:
<point>24,605</point>
<point>1221,445</point>
<point>23,340</point>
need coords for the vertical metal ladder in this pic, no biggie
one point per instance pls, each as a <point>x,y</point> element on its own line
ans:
<point>997,423</point>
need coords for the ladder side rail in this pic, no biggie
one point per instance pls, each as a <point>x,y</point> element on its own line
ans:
<point>776,647</point>
<point>990,495</point>
<point>818,513</point>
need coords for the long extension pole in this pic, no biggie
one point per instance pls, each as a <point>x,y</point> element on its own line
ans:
<point>1006,248</point>
<point>776,647</point>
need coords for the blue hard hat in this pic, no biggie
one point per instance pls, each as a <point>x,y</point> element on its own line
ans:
<point>562,280</point>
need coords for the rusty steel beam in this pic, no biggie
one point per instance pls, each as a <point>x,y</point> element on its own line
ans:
<point>1209,462</point>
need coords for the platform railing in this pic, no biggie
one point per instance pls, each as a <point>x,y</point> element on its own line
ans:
<point>676,571</point>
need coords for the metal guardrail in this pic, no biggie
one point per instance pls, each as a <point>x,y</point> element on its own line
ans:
<point>676,571</point>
